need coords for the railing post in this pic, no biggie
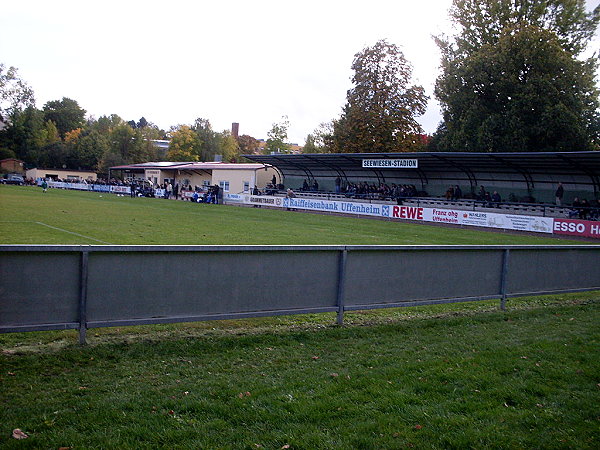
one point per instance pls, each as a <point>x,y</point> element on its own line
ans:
<point>83,285</point>
<point>341,285</point>
<point>503,278</point>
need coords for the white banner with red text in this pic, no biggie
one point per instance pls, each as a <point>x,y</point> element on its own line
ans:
<point>575,227</point>
<point>452,216</point>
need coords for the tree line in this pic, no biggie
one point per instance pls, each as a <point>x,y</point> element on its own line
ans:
<point>512,80</point>
<point>60,136</point>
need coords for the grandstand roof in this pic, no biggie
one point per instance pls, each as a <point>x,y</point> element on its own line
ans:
<point>476,168</point>
<point>169,165</point>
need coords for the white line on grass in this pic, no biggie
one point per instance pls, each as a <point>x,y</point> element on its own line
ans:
<point>71,232</point>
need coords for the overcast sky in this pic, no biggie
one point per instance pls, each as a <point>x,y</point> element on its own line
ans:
<point>250,62</point>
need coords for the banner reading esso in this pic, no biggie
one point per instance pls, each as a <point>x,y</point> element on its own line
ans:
<point>575,227</point>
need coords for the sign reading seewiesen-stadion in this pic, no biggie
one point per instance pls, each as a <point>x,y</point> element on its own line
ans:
<point>391,163</point>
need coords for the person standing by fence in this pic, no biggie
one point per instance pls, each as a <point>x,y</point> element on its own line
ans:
<point>216,190</point>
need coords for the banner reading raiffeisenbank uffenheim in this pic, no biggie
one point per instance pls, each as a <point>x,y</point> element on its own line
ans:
<point>453,216</point>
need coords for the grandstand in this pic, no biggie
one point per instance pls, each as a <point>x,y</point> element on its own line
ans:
<point>526,182</point>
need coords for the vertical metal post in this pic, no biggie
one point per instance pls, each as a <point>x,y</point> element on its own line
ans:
<point>341,286</point>
<point>83,285</point>
<point>503,278</point>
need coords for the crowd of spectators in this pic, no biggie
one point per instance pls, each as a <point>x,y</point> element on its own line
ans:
<point>381,192</point>
<point>365,190</point>
<point>584,210</point>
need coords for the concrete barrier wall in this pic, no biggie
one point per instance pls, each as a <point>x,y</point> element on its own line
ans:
<point>79,287</point>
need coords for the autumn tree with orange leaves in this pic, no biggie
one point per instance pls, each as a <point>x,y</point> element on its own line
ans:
<point>381,109</point>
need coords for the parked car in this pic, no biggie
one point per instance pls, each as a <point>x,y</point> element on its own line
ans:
<point>14,179</point>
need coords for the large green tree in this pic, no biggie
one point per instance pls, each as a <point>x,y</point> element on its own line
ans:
<point>88,150</point>
<point>229,148</point>
<point>29,136</point>
<point>381,110</point>
<point>15,94</point>
<point>277,137</point>
<point>184,145</point>
<point>248,145</point>
<point>208,139</point>
<point>511,80</point>
<point>66,114</point>
<point>321,139</point>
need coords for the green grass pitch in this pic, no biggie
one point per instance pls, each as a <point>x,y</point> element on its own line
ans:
<point>29,216</point>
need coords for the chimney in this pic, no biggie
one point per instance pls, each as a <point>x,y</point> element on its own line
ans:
<point>235,129</point>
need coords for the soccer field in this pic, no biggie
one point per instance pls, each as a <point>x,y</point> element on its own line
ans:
<point>443,376</point>
<point>29,216</point>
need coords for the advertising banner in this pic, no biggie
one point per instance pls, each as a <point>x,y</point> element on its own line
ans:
<point>457,217</point>
<point>65,185</point>
<point>575,227</point>
<point>185,195</point>
<point>233,198</point>
<point>100,187</point>
<point>120,189</point>
<point>473,218</point>
<point>266,200</point>
<point>368,209</point>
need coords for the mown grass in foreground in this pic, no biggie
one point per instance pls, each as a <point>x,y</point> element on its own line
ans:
<point>428,377</point>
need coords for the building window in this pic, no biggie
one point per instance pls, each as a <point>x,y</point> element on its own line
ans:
<point>246,186</point>
<point>224,185</point>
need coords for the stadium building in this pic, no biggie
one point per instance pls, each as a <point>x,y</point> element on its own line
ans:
<point>520,177</point>
<point>231,177</point>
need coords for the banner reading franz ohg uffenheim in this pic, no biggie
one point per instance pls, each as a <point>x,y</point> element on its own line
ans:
<point>403,163</point>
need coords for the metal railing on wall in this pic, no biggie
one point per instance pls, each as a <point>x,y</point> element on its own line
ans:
<point>47,287</point>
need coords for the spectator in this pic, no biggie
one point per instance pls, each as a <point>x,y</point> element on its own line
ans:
<point>481,194</point>
<point>560,192</point>
<point>132,189</point>
<point>595,210</point>
<point>457,193</point>
<point>290,194</point>
<point>450,193</point>
<point>584,210</point>
<point>487,200</point>
<point>574,211</point>
<point>270,189</point>
<point>216,189</point>
<point>496,199</point>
